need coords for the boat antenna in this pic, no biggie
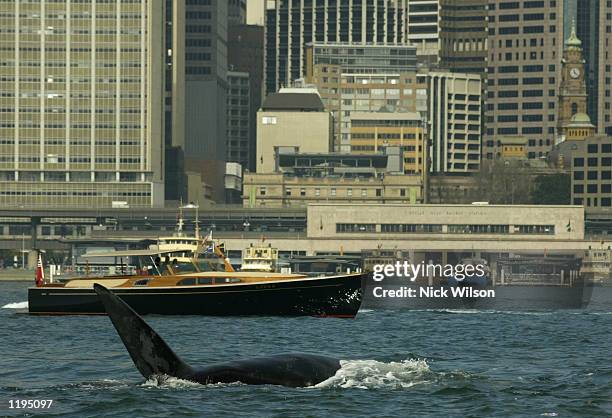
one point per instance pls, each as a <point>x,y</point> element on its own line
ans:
<point>197,221</point>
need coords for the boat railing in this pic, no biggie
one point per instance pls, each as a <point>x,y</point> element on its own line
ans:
<point>535,279</point>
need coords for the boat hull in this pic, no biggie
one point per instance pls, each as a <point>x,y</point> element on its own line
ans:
<point>326,296</point>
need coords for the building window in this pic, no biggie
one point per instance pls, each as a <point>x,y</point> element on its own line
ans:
<point>302,192</point>
<point>355,228</point>
<point>478,229</point>
<point>349,192</point>
<point>535,229</point>
<point>317,192</point>
<point>268,120</point>
<point>288,191</point>
<point>262,191</point>
<point>364,192</point>
<point>411,228</point>
<point>333,191</point>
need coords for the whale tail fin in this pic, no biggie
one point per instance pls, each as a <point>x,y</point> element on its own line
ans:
<point>150,353</point>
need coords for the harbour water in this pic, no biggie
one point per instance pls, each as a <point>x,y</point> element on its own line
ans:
<point>396,363</point>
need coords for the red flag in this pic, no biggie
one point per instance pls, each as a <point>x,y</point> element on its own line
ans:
<point>40,272</point>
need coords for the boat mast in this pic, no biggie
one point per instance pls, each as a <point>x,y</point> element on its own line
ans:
<point>179,221</point>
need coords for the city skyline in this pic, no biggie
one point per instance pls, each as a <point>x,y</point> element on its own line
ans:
<point>197,72</point>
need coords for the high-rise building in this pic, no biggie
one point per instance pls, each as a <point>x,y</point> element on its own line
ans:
<point>454,114</point>
<point>174,156</point>
<point>245,53</point>
<point>423,27</point>
<point>525,49</point>
<point>199,88</point>
<point>291,25</point>
<point>373,132</point>
<point>463,35</point>
<point>238,118</point>
<point>236,12</point>
<point>81,113</point>
<point>594,29</point>
<point>361,78</point>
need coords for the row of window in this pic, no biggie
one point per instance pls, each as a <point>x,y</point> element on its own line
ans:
<point>450,229</point>
<point>73,142</point>
<point>27,124</point>
<point>76,160</point>
<point>593,162</point>
<point>593,188</point>
<point>75,193</point>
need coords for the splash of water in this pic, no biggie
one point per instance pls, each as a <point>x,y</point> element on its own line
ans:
<point>16,305</point>
<point>170,382</point>
<point>372,374</point>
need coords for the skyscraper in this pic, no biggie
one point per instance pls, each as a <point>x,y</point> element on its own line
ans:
<point>81,116</point>
<point>245,52</point>
<point>361,78</point>
<point>238,147</point>
<point>199,87</point>
<point>594,29</point>
<point>454,114</point>
<point>423,28</point>
<point>291,25</point>
<point>525,48</point>
<point>463,35</point>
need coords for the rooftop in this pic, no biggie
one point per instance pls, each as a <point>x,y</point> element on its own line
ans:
<point>301,102</point>
<point>581,120</point>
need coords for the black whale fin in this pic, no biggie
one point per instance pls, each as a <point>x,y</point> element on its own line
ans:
<point>150,353</point>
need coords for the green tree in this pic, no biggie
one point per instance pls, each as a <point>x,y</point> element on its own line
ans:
<point>554,189</point>
<point>503,182</point>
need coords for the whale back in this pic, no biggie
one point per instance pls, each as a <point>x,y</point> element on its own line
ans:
<point>150,353</point>
<point>294,369</point>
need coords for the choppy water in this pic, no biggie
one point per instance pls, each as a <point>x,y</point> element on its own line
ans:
<point>395,364</point>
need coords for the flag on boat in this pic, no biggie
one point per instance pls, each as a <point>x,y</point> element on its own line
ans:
<point>40,272</point>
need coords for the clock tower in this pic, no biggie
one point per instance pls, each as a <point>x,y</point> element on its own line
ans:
<point>572,90</point>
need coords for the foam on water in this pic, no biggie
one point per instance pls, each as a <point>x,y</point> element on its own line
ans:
<point>169,382</point>
<point>16,305</point>
<point>372,374</point>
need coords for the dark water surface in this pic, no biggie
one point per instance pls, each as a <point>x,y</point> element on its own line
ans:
<point>397,364</point>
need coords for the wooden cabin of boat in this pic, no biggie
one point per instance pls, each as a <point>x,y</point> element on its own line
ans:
<point>159,269</point>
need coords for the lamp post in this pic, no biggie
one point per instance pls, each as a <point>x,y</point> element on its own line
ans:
<point>195,206</point>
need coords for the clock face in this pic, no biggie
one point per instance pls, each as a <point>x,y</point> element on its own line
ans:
<point>575,73</point>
